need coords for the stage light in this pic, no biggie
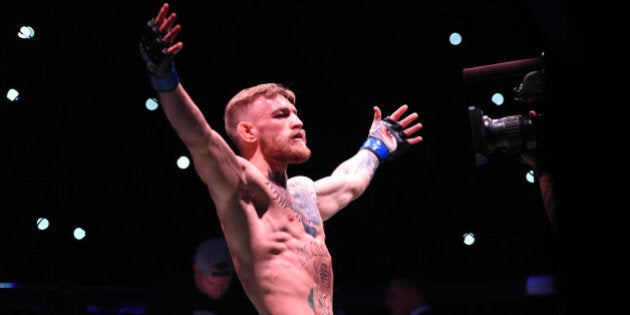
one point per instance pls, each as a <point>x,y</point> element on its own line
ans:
<point>183,162</point>
<point>455,39</point>
<point>26,32</point>
<point>151,104</point>
<point>42,223</point>
<point>13,95</point>
<point>469,238</point>
<point>79,233</point>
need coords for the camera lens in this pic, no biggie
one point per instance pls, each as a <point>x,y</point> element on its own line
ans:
<point>510,133</point>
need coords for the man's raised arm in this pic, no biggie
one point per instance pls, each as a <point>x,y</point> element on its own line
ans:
<point>387,139</point>
<point>215,162</point>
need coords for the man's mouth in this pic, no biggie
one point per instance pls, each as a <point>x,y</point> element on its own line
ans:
<point>300,136</point>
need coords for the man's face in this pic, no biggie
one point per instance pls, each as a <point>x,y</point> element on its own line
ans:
<point>212,286</point>
<point>281,136</point>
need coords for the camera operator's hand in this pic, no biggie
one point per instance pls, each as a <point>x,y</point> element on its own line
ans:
<point>534,157</point>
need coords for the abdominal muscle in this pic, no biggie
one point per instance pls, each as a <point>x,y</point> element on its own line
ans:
<point>296,281</point>
<point>283,268</point>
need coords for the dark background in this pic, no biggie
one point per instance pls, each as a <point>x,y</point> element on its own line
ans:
<point>80,148</point>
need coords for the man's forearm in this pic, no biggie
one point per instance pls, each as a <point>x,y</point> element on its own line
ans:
<point>185,117</point>
<point>363,165</point>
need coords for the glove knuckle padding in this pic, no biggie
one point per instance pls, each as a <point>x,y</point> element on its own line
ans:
<point>153,50</point>
<point>396,130</point>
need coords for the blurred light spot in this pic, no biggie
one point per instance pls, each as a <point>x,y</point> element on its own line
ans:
<point>183,162</point>
<point>151,104</point>
<point>26,32</point>
<point>540,285</point>
<point>13,95</point>
<point>455,39</point>
<point>8,285</point>
<point>529,177</point>
<point>497,98</point>
<point>42,224</point>
<point>469,238</point>
<point>79,233</point>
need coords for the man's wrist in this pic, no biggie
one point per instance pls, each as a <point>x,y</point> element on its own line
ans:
<point>166,83</point>
<point>377,146</point>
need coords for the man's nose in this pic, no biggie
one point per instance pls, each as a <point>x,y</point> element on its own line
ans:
<point>296,121</point>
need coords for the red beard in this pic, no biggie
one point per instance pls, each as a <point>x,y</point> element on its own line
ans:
<point>290,151</point>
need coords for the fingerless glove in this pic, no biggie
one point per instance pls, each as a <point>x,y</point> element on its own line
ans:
<point>375,144</point>
<point>154,51</point>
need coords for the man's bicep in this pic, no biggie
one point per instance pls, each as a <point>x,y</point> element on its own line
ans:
<point>219,168</point>
<point>333,194</point>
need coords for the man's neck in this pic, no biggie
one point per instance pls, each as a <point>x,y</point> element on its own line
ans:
<point>279,178</point>
<point>276,171</point>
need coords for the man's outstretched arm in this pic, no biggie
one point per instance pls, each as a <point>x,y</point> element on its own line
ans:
<point>388,138</point>
<point>215,162</point>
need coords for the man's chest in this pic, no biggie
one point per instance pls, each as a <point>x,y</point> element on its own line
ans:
<point>300,200</point>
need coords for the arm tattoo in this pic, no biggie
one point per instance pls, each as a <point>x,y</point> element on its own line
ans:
<point>368,162</point>
<point>371,164</point>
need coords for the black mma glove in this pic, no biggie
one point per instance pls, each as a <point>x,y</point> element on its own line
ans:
<point>154,52</point>
<point>380,139</point>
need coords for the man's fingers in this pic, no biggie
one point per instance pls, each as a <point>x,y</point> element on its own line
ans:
<point>176,48</point>
<point>399,112</point>
<point>407,120</point>
<point>161,14</point>
<point>377,113</point>
<point>413,129</point>
<point>172,34</point>
<point>168,22</point>
<point>414,140</point>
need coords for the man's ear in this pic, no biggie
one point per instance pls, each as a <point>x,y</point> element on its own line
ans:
<point>247,132</point>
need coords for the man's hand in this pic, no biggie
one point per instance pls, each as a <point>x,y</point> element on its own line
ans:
<point>157,48</point>
<point>390,137</point>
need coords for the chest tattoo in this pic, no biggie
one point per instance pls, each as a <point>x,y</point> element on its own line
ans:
<point>300,198</point>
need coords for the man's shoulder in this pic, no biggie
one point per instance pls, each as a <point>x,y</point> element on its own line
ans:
<point>300,179</point>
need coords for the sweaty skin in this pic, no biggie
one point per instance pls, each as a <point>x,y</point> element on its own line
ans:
<point>273,224</point>
<point>292,273</point>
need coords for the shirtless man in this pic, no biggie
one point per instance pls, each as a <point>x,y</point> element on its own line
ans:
<point>273,224</point>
